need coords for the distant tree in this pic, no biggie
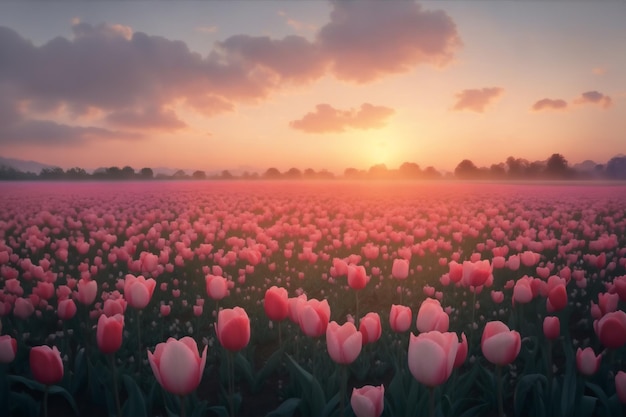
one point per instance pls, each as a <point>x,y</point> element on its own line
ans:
<point>55,173</point>
<point>77,173</point>
<point>10,173</point>
<point>351,173</point>
<point>199,175</point>
<point>180,175</point>
<point>534,170</point>
<point>127,172</point>
<point>114,173</point>
<point>293,173</point>
<point>497,171</point>
<point>325,175</point>
<point>616,168</point>
<point>466,170</point>
<point>431,173</point>
<point>309,173</point>
<point>146,173</point>
<point>226,175</point>
<point>557,166</point>
<point>272,173</point>
<point>378,171</point>
<point>409,170</point>
<point>516,167</point>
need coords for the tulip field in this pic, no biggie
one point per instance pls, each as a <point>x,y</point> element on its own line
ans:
<point>339,298</point>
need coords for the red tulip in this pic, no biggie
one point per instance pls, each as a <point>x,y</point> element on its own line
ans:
<point>313,317</point>
<point>8,348</point>
<point>370,328</point>
<point>431,356</point>
<point>611,329</point>
<point>233,328</point>
<point>87,291</point>
<point>432,317</point>
<point>177,365</point>
<point>23,308</point>
<point>499,344</point>
<point>587,362</point>
<point>400,318</point>
<point>66,309</point>
<point>557,298</point>
<point>400,269</point>
<point>276,303</point>
<point>114,306</point>
<point>461,353</point>
<point>551,327</point>
<point>165,310</point>
<point>497,297</point>
<point>357,278</point>
<point>368,401</point>
<point>216,286</point>
<point>138,290</point>
<point>109,333</point>
<point>343,342</point>
<point>46,364</point>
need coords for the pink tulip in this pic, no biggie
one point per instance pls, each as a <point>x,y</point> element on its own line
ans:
<point>499,344</point>
<point>276,303</point>
<point>611,329</point>
<point>138,290</point>
<point>177,365</point>
<point>313,317</point>
<point>233,328</point>
<point>431,356</point>
<point>46,364</point>
<point>497,297</point>
<point>400,318</point>
<point>551,327</point>
<point>216,287</point>
<point>343,342</point>
<point>476,274</point>
<point>109,333</point>
<point>87,291</point>
<point>529,258</point>
<point>8,348</point>
<point>293,306</point>
<point>114,306</point>
<point>370,328</point>
<point>461,353</point>
<point>23,308</point>
<point>620,386</point>
<point>522,292</point>
<point>432,317</point>
<point>368,401</point>
<point>587,362</point>
<point>165,310</point>
<point>66,309</point>
<point>557,298</point>
<point>400,268</point>
<point>357,278</point>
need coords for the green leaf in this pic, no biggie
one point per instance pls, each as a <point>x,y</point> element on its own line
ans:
<point>30,383</point>
<point>313,393</point>
<point>244,366</point>
<point>270,366</point>
<point>602,397</point>
<point>135,405</point>
<point>585,406</point>
<point>220,410</point>
<point>57,390</point>
<point>286,408</point>
<point>24,404</point>
<point>331,405</point>
<point>524,385</point>
<point>568,394</point>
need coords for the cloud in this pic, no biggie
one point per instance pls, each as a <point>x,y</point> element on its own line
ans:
<point>548,103</point>
<point>207,29</point>
<point>477,99</point>
<point>327,119</point>
<point>297,25</point>
<point>599,71</point>
<point>134,81</point>
<point>594,97</point>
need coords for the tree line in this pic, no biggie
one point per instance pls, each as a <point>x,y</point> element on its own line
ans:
<point>556,167</point>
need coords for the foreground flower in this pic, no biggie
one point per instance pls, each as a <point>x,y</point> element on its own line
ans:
<point>551,327</point>
<point>400,318</point>
<point>109,333</point>
<point>46,364</point>
<point>8,348</point>
<point>313,317</point>
<point>138,290</point>
<point>66,309</point>
<point>499,344</point>
<point>370,327</point>
<point>432,317</point>
<point>343,342</point>
<point>216,286</point>
<point>233,328</point>
<point>177,365</point>
<point>611,329</point>
<point>276,303</point>
<point>368,401</point>
<point>587,362</point>
<point>431,356</point>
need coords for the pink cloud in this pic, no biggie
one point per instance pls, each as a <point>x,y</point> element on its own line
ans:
<point>594,97</point>
<point>548,103</point>
<point>477,99</point>
<point>150,118</point>
<point>327,119</point>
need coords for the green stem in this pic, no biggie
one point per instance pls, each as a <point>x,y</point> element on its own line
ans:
<point>280,339</point>
<point>118,408</point>
<point>499,383</point>
<point>356,319</point>
<point>182,405</point>
<point>550,372</point>
<point>45,401</point>
<point>138,316</point>
<point>231,384</point>
<point>431,401</point>
<point>343,388</point>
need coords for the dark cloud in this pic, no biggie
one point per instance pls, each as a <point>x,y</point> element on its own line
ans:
<point>477,99</point>
<point>548,103</point>
<point>327,119</point>
<point>594,97</point>
<point>134,80</point>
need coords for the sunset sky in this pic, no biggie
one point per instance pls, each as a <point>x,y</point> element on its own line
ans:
<point>310,84</point>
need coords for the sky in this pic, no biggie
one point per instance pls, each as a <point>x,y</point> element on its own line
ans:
<point>310,84</point>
